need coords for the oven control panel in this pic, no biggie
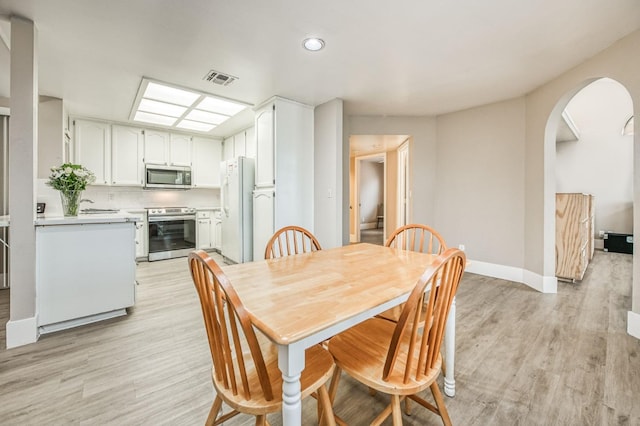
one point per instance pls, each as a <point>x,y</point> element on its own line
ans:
<point>159,211</point>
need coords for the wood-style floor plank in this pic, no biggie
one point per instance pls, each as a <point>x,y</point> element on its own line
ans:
<point>522,358</point>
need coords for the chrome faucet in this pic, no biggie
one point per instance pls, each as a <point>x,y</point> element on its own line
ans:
<point>87,200</point>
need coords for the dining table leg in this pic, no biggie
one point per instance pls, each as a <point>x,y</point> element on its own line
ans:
<point>291,364</point>
<point>450,351</point>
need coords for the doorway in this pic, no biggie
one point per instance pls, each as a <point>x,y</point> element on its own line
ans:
<point>595,157</point>
<point>370,197</point>
<point>381,215</point>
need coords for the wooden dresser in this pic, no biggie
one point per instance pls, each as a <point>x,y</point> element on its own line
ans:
<point>574,234</point>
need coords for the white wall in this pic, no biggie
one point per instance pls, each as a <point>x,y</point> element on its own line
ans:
<point>328,174</point>
<point>480,181</point>
<point>371,190</point>
<point>601,162</point>
<point>50,135</point>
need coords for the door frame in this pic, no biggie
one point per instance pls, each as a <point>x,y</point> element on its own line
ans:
<point>355,238</point>
<point>403,200</point>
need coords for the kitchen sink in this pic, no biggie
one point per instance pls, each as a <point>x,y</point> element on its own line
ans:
<point>98,211</point>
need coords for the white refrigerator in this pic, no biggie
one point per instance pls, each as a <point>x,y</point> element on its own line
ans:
<point>237,182</point>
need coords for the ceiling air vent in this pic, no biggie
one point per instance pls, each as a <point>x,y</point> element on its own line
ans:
<point>216,77</point>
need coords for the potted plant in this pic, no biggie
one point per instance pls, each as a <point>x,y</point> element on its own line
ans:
<point>70,180</point>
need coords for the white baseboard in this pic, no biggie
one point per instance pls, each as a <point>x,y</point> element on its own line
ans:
<point>22,332</point>
<point>511,273</point>
<point>633,324</point>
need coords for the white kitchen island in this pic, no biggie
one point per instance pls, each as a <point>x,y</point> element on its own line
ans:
<point>85,269</point>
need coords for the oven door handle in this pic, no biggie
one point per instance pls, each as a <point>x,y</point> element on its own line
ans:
<point>168,218</point>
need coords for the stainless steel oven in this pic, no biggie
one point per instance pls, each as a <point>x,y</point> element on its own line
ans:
<point>172,232</point>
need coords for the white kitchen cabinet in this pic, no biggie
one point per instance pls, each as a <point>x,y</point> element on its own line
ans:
<point>206,157</point>
<point>217,231</point>
<point>263,224</point>
<point>93,280</point>
<point>227,149</point>
<point>156,147</point>
<point>265,143</point>
<point>93,148</point>
<point>204,230</point>
<point>180,150</point>
<point>127,150</point>
<point>284,166</point>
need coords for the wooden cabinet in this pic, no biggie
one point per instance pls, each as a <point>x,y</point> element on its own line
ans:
<point>574,234</point>
<point>206,156</point>
<point>93,148</point>
<point>127,149</point>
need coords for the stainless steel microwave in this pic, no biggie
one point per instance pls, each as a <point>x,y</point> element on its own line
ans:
<point>167,177</point>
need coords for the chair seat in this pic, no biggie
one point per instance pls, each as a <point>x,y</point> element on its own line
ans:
<point>361,352</point>
<point>319,366</point>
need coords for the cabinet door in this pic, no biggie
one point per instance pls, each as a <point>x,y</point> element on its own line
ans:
<point>204,234</point>
<point>263,221</point>
<point>93,148</point>
<point>156,147</point>
<point>250,142</point>
<point>265,139</point>
<point>217,234</point>
<point>127,149</point>
<point>180,151</point>
<point>206,157</point>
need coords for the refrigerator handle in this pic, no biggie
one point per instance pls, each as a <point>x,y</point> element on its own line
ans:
<point>225,195</point>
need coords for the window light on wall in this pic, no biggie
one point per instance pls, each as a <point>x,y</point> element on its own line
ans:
<point>167,105</point>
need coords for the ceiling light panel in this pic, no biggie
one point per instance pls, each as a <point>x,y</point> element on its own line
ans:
<point>170,106</point>
<point>163,93</point>
<point>206,117</point>
<point>161,108</point>
<point>154,118</point>
<point>220,106</point>
<point>195,125</point>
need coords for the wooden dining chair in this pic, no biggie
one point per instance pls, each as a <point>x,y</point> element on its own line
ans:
<point>291,240</point>
<point>245,370</point>
<point>413,237</point>
<point>402,359</point>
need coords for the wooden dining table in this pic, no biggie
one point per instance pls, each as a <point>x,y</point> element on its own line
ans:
<point>301,300</point>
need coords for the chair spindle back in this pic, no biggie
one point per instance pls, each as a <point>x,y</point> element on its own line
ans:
<point>291,240</point>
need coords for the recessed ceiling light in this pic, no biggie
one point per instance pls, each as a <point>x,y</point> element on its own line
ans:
<point>313,44</point>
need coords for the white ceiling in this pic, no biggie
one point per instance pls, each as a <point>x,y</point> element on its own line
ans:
<point>381,57</point>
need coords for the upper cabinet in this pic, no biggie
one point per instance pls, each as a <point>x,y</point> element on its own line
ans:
<point>264,152</point>
<point>206,155</point>
<point>93,148</point>
<point>127,148</point>
<point>180,150</point>
<point>167,148</point>
<point>250,142</point>
<point>156,147</point>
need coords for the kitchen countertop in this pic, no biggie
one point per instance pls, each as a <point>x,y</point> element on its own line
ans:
<point>4,221</point>
<point>83,219</point>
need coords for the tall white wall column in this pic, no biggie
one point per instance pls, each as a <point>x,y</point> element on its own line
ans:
<point>23,135</point>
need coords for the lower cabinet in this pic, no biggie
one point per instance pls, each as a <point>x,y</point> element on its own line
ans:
<point>209,230</point>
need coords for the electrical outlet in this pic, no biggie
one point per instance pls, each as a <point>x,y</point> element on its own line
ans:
<point>110,196</point>
<point>461,247</point>
<point>601,234</point>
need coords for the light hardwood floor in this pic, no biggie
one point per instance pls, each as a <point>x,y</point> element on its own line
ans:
<point>522,358</point>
